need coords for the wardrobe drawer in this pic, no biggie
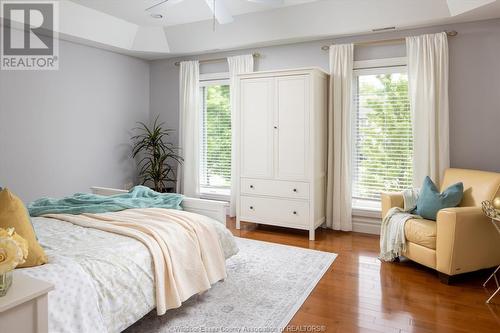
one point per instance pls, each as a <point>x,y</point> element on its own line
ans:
<point>275,211</point>
<point>275,188</point>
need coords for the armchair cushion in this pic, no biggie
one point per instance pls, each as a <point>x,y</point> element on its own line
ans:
<point>421,232</point>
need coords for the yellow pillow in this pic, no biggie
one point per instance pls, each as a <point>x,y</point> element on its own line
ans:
<point>13,214</point>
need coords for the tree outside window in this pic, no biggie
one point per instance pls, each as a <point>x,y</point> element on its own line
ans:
<point>383,140</point>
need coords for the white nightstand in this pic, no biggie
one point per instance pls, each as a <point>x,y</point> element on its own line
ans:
<point>24,309</point>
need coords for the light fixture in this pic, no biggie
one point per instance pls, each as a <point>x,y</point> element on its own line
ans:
<point>383,29</point>
<point>156,16</point>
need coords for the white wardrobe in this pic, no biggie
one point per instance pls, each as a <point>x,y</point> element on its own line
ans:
<point>282,134</point>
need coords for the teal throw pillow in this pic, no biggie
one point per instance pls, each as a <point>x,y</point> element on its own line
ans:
<point>430,201</point>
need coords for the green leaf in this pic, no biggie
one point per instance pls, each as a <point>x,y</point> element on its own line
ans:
<point>154,154</point>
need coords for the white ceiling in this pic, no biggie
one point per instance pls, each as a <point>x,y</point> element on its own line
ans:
<point>458,7</point>
<point>124,25</point>
<point>185,11</point>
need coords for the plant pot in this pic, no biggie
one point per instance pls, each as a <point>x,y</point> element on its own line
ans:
<point>5,283</point>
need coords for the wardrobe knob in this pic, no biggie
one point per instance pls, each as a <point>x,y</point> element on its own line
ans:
<point>294,213</point>
<point>251,207</point>
<point>275,127</point>
<point>295,190</point>
<point>251,186</point>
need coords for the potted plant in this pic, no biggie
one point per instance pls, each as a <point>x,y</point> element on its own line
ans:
<point>157,158</point>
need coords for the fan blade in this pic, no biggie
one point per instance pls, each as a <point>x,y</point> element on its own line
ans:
<point>269,2</point>
<point>221,12</point>
<point>160,4</point>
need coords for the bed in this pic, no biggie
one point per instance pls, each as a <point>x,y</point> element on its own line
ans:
<point>104,282</point>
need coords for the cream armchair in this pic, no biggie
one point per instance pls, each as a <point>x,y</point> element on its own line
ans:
<point>462,239</point>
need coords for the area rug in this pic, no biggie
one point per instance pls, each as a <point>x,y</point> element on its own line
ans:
<point>266,285</point>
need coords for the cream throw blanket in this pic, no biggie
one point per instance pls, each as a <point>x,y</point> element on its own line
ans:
<point>186,252</point>
<point>392,233</point>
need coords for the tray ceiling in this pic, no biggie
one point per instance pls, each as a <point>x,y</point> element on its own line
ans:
<point>187,28</point>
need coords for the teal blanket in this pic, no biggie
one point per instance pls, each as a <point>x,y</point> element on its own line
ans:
<point>79,203</point>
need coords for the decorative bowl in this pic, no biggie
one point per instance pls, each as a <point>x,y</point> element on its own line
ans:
<point>490,210</point>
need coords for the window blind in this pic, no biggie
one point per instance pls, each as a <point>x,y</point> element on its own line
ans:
<point>215,137</point>
<point>383,138</point>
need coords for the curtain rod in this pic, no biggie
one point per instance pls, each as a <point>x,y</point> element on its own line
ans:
<point>178,63</point>
<point>386,41</point>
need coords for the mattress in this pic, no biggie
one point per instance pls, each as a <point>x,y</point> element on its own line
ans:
<point>103,281</point>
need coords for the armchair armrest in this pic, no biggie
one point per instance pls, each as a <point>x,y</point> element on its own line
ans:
<point>466,241</point>
<point>390,200</point>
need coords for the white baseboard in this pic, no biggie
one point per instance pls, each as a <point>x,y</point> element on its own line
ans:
<point>367,225</point>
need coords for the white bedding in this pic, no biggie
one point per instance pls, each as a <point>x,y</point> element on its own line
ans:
<point>103,281</point>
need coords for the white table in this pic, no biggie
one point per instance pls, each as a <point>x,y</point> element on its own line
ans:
<point>496,223</point>
<point>24,308</point>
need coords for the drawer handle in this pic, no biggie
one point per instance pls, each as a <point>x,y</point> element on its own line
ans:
<point>275,127</point>
<point>251,207</point>
<point>251,186</point>
<point>294,213</point>
<point>295,190</point>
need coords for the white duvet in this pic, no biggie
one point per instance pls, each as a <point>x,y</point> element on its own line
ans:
<point>103,281</point>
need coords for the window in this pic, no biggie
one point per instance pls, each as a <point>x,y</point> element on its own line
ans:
<point>383,142</point>
<point>215,139</point>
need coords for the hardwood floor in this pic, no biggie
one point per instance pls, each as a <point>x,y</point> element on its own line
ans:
<point>360,294</point>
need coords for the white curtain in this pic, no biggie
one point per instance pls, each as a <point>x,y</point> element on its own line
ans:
<point>428,91</point>
<point>339,191</point>
<point>188,176</point>
<point>237,65</point>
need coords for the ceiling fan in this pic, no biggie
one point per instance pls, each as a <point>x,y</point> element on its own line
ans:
<point>218,8</point>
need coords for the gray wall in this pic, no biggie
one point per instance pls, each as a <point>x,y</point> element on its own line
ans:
<point>474,83</point>
<point>64,131</point>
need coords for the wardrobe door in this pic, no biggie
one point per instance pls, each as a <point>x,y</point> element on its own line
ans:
<point>256,127</point>
<point>293,127</point>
